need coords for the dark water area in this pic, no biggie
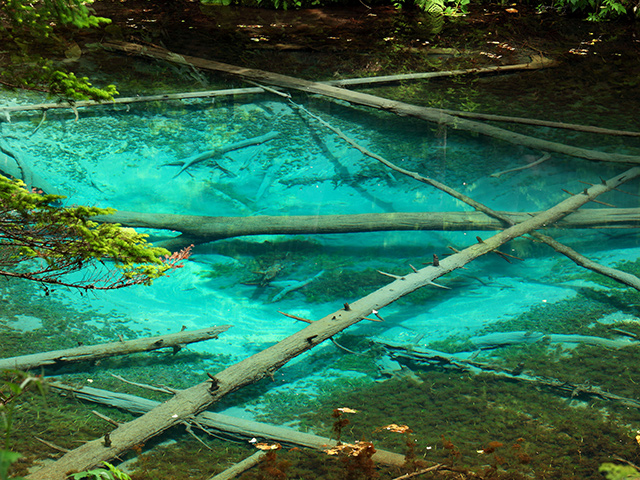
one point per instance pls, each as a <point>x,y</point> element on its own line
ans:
<point>524,367</point>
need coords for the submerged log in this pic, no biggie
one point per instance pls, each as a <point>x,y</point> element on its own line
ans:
<point>240,467</point>
<point>351,81</point>
<point>200,157</point>
<point>400,108</point>
<point>505,339</point>
<point>232,427</point>
<point>617,275</point>
<point>570,389</point>
<point>13,164</point>
<point>94,352</point>
<point>202,229</point>
<point>196,399</point>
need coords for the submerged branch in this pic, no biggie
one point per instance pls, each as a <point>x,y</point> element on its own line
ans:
<point>434,357</point>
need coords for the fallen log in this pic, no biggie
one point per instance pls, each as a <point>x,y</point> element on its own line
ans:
<point>196,399</point>
<point>5,111</point>
<point>617,275</point>
<point>203,229</point>
<point>399,108</point>
<point>234,428</point>
<point>542,123</point>
<point>537,62</point>
<point>579,259</point>
<point>128,100</point>
<point>57,358</point>
<point>218,152</point>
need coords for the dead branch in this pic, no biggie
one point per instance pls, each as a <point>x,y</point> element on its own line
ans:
<point>542,159</point>
<point>195,159</point>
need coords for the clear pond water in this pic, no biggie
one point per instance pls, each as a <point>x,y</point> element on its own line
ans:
<point>121,157</point>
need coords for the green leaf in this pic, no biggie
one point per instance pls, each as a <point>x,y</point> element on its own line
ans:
<point>7,458</point>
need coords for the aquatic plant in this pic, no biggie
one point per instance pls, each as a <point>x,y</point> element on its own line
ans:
<point>340,421</point>
<point>614,471</point>
<point>12,386</point>
<point>111,473</point>
<point>271,467</point>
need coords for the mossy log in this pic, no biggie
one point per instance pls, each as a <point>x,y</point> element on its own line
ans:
<point>439,117</point>
<point>226,426</point>
<point>202,229</point>
<point>84,353</point>
<point>196,399</point>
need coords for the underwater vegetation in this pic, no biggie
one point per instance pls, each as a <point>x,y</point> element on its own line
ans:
<point>494,427</point>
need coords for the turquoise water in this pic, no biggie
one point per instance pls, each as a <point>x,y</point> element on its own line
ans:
<point>120,157</point>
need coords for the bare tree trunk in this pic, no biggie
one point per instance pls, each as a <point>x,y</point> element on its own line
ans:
<point>176,341</point>
<point>194,400</point>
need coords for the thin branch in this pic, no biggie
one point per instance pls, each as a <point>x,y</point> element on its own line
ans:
<point>542,159</point>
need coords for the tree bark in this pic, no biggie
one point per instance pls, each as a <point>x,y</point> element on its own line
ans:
<point>233,427</point>
<point>399,108</point>
<point>202,229</point>
<point>196,399</point>
<point>58,358</point>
